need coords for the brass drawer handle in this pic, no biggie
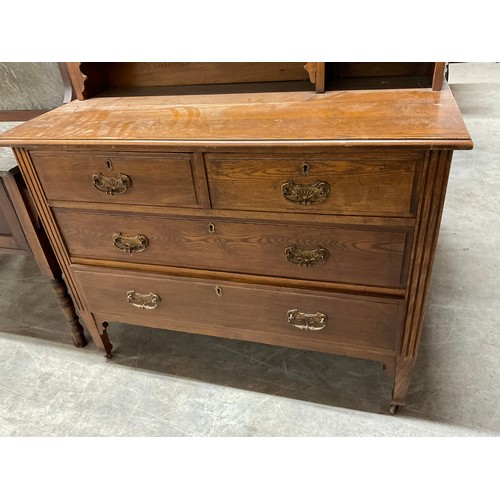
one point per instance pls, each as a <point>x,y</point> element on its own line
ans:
<point>306,258</point>
<point>143,300</point>
<point>306,321</point>
<point>306,194</point>
<point>111,185</point>
<point>130,244</point>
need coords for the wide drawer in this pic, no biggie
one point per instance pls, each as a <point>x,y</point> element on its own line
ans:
<point>127,178</point>
<point>381,183</point>
<point>362,255</point>
<point>298,318</point>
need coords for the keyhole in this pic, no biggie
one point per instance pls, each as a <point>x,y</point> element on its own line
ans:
<point>211,228</point>
<point>218,291</point>
<point>109,164</point>
<point>305,169</point>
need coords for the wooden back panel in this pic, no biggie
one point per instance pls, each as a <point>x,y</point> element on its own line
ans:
<point>379,75</point>
<point>384,69</point>
<point>158,74</point>
<point>91,78</point>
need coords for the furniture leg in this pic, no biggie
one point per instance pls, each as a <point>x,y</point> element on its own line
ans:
<point>402,378</point>
<point>98,332</point>
<point>105,340</point>
<point>69,311</point>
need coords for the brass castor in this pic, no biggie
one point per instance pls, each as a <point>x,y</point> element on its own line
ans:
<point>394,409</point>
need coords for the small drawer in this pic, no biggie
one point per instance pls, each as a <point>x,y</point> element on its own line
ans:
<point>127,178</point>
<point>377,184</point>
<point>297,318</point>
<point>365,255</point>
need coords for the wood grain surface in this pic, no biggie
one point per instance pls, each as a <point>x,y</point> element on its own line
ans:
<point>165,180</point>
<point>386,117</point>
<point>375,184</point>
<point>147,74</point>
<point>209,172</point>
<point>253,312</point>
<point>361,255</point>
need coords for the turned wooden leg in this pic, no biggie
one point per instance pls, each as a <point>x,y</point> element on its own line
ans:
<point>69,311</point>
<point>402,378</point>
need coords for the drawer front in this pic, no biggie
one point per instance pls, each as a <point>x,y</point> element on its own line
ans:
<point>358,185</point>
<point>263,314</point>
<point>361,255</point>
<point>127,178</point>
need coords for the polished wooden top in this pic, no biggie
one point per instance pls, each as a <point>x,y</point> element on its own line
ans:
<point>409,118</point>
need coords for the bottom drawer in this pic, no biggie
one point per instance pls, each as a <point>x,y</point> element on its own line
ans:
<point>273,315</point>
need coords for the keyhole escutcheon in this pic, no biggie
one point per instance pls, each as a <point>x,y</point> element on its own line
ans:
<point>211,228</point>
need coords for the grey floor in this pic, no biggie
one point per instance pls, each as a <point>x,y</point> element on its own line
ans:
<point>174,384</point>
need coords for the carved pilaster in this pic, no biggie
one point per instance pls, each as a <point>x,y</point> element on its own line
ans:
<point>433,191</point>
<point>427,230</point>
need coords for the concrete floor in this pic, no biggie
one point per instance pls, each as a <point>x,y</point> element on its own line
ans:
<point>174,384</point>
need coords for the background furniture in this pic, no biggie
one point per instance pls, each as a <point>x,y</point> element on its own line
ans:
<point>12,239</point>
<point>21,232</point>
<point>249,210</point>
<point>36,86</point>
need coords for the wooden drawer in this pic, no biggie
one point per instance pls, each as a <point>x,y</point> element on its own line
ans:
<point>259,313</point>
<point>363,255</point>
<point>128,178</point>
<point>381,183</point>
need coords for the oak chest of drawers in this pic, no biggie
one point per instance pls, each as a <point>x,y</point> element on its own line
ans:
<point>289,218</point>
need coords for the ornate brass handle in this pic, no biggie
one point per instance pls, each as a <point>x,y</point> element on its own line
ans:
<point>306,194</point>
<point>306,258</point>
<point>143,300</point>
<point>111,185</point>
<point>130,244</point>
<point>306,321</point>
